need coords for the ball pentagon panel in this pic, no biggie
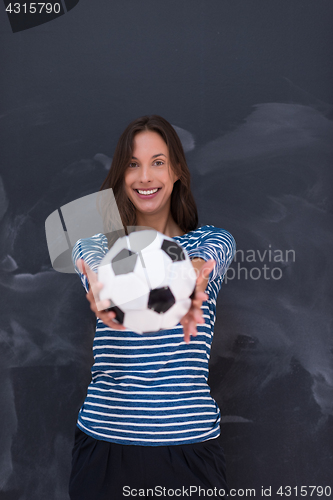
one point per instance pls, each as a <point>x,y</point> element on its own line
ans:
<point>161,299</point>
<point>119,245</point>
<point>124,262</point>
<point>119,313</point>
<point>173,250</point>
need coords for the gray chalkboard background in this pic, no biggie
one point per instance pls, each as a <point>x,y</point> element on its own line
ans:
<point>249,87</point>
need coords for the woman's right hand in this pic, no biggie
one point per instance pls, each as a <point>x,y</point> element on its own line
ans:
<point>96,305</point>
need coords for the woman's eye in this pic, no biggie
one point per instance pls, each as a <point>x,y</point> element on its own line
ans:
<point>157,162</point>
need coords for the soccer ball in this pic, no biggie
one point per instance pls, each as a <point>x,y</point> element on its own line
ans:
<point>149,280</point>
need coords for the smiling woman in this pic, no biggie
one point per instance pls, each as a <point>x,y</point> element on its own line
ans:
<point>159,162</point>
<point>151,179</point>
<point>149,418</point>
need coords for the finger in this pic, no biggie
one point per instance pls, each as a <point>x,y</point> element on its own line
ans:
<point>201,295</point>
<point>193,326</point>
<point>85,269</point>
<point>109,322</point>
<point>189,329</point>
<point>93,299</point>
<point>90,296</point>
<point>195,312</point>
<point>101,305</point>
<point>97,286</point>
<point>99,308</point>
<point>92,276</point>
<point>198,316</point>
<point>197,304</point>
<point>95,289</point>
<point>97,305</point>
<point>184,322</point>
<point>107,315</point>
<point>114,325</point>
<point>199,298</point>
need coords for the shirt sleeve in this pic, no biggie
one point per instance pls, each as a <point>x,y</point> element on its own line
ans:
<point>218,244</point>
<point>92,251</point>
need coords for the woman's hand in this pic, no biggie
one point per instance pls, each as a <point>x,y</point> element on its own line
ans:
<point>194,315</point>
<point>189,321</point>
<point>96,305</point>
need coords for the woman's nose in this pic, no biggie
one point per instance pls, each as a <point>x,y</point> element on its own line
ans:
<point>145,173</point>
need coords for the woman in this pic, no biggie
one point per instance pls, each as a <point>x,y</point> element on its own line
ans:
<point>148,426</point>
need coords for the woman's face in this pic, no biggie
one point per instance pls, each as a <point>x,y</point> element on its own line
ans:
<point>150,170</point>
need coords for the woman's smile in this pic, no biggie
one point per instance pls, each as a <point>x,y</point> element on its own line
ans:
<point>147,193</point>
<point>149,178</point>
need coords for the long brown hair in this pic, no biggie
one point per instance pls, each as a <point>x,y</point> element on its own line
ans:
<point>183,207</point>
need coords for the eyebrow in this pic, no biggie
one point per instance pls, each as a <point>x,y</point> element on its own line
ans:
<point>154,156</point>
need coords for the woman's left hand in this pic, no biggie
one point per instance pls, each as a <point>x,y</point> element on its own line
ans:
<point>194,315</point>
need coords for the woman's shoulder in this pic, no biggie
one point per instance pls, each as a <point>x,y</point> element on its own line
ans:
<point>209,236</point>
<point>84,246</point>
<point>208,230</point>
<point>218,231</point>
<point>96,239</point>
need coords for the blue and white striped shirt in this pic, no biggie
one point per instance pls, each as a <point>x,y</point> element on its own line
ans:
<point>152,390</point>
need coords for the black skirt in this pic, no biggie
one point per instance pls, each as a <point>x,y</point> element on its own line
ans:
<point>109,471</point>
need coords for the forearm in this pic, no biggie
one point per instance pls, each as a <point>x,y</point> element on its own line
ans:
<point>197,263</point>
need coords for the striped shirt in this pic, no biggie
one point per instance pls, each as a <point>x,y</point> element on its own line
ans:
<point>152,390</point>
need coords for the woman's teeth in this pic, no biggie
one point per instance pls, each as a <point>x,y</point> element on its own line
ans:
<point>147,192</point>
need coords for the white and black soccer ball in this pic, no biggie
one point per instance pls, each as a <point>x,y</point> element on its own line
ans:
<point>149,280</point>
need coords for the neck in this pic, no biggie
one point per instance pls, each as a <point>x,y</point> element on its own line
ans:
<point>162,223</point>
